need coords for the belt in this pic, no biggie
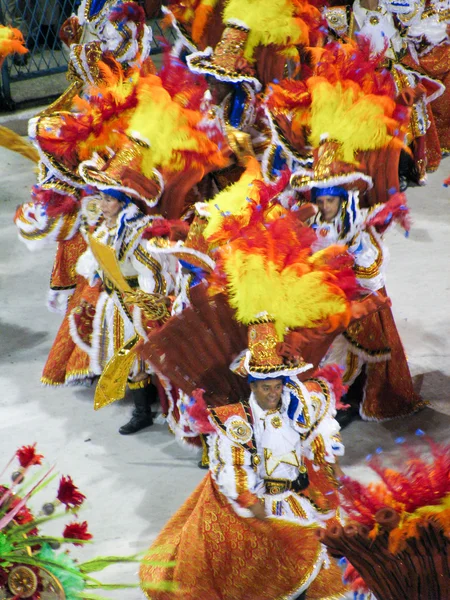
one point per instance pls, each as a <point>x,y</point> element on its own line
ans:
<point>279,486</point>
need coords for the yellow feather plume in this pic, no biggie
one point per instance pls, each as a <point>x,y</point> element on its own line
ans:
<point>269,21</point>
<point>233,199</point>
<point>256,285</point>
<point>357,120</point>
<point>171,131</point>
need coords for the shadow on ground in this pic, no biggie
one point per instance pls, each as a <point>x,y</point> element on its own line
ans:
<point>14,338</point>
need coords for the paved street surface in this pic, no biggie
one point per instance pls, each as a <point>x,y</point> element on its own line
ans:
<point>134,484</point>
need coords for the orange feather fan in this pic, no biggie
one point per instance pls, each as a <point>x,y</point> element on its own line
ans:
<point>11,42</point>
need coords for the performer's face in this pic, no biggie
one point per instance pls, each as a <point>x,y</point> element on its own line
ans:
<point>267,393</point>
<point>110,207</point>
<point>219,89</point>
<point>328,207</point>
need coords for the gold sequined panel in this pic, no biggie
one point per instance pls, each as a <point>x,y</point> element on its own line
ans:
<point>351,367</point>
<point>241,479</point>
<point>328,153</point>
<point>66,360</point>
<point>233,554</point>
<point>318,448</point>
<point>262,342</point>
<point>64,275</point>
<point>230,47</point>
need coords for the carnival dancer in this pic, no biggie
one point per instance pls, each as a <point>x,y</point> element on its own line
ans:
<point>263,490</point>
<point>99,122</point>
<point>53,216</point>
<point>271,457</point>
<point>119,318</point>
<point>370,349</point>
<point>257,45</point>
<point>373,21</point>
<point>425,27</point>
<point>59,201</point>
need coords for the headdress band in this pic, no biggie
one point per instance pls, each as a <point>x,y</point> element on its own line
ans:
<point>117,194</point>
<point>335,190</point>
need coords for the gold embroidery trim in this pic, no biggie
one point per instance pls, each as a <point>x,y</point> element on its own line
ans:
<point>318,447</point>
<point>301,398</point>
<point>151,263</point>
<point>296,507</point>
<point>374,269</point>
<point>41,233</point>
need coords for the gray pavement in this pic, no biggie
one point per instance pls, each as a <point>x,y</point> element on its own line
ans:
<point>133,484</point>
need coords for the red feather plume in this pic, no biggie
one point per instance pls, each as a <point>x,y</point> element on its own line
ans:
<point>184,87</point>
<point>332,374</point>
<point>55,204</point>
<point>128,11</point>
<point>199,412</point>
<point>415,482</point>
<point>395,210</point>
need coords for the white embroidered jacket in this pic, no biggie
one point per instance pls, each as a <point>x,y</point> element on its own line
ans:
<point>363,242</point>
<point>252,445</point>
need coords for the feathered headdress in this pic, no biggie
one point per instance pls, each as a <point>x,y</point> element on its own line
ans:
<point>133,115</point>
<point>344,120</point>
<point>171,132</point>
<point>97,121</point>
<point>273,279</point>
<point>270,22</point>
<point>248,26</point>
<point>346,107</point>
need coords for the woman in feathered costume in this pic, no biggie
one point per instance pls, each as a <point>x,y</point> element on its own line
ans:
<point>54,212</point>
<point>344,121</point>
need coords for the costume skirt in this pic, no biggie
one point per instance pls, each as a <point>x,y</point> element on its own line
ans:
<point>220,556</point>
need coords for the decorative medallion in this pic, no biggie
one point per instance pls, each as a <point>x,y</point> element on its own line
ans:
<point>92,208</point>
<point>276,421</point>
<point>22,582</point>
<point>239,430</point>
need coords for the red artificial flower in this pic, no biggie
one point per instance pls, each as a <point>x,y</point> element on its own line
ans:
<point>69,494</point>
<point>77,531</point>
<point>27,456</point>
